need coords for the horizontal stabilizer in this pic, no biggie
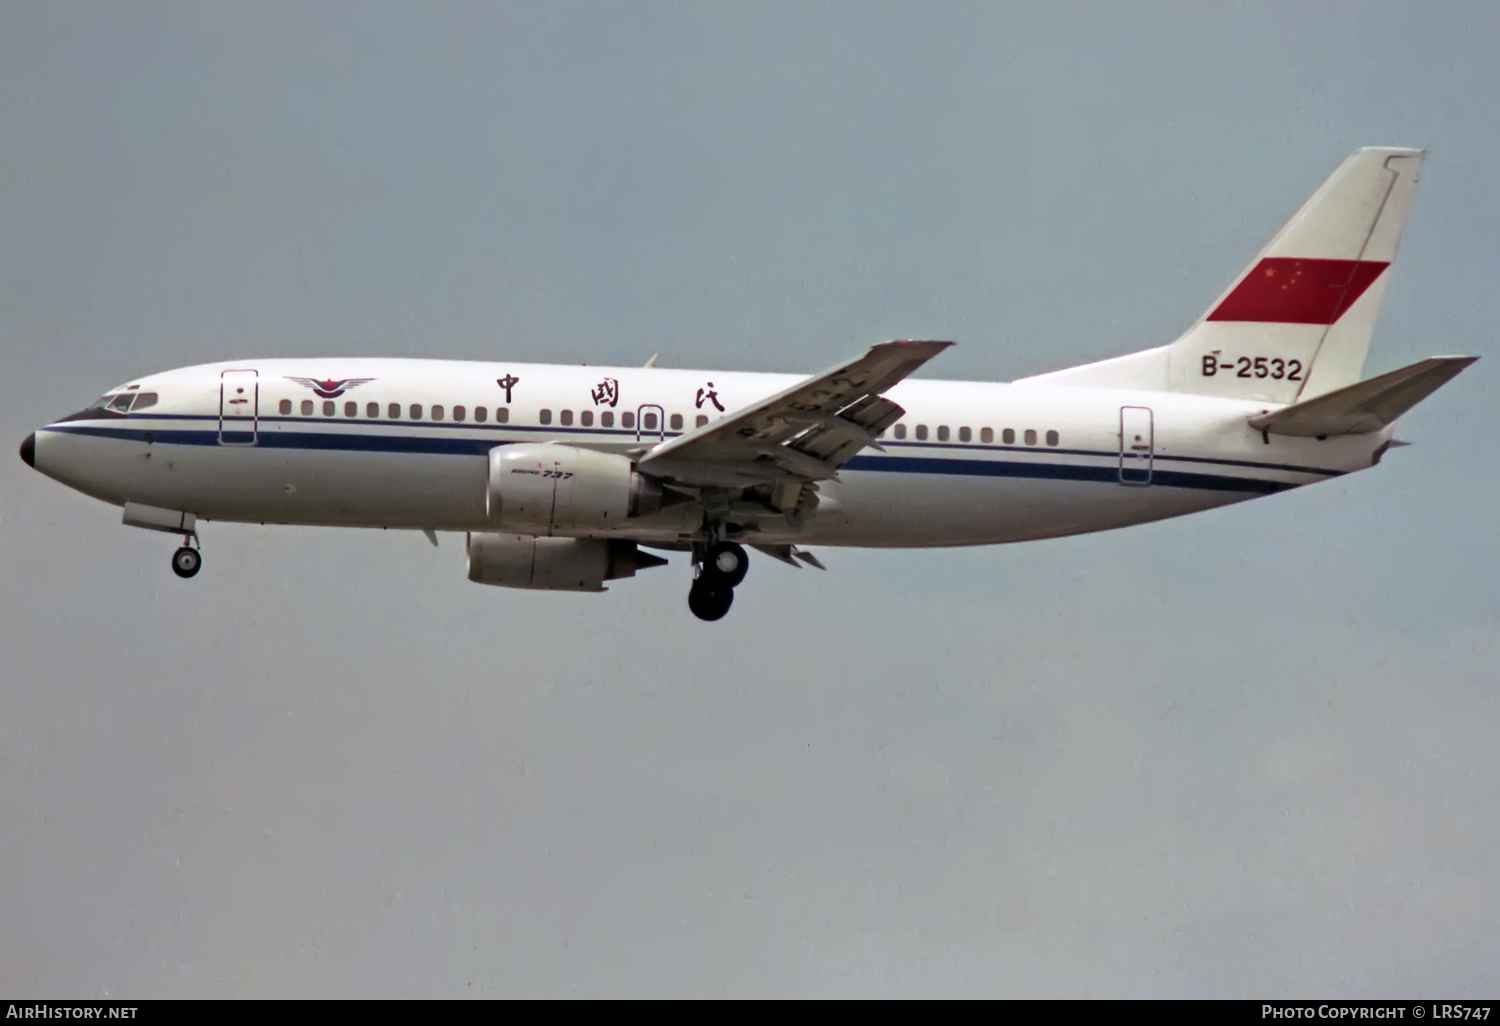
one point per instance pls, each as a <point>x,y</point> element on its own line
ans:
<point>1366,406</point>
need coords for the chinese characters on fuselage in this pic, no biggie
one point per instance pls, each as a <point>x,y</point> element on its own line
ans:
<point>606,393</point>
<point>706,394</point>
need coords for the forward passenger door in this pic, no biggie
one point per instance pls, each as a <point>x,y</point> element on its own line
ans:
<point>239,402</point>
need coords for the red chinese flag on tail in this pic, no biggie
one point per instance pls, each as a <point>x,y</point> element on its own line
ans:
<point>1296,290</point>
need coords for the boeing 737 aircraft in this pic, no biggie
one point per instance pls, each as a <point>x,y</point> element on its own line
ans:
<point>564,476</point>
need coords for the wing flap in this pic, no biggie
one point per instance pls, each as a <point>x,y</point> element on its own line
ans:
<point>789,554</point>
<point>1366,406</point>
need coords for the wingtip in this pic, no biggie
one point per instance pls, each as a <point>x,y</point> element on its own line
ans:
<point>1457,364</point>
<point>916,348</point>
<point>1394,151</point>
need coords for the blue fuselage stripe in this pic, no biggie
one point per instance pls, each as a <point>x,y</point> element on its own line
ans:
<point>1109,474</point>
<point>388,441</point>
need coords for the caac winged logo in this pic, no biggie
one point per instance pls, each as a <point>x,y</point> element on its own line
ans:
<point>329,388</point>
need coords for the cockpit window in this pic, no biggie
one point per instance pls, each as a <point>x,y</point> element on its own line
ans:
<point>124,402</point>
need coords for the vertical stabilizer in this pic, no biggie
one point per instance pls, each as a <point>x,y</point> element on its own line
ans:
<point>1297,322</point>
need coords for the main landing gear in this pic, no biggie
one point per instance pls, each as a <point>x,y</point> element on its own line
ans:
<point>717,569</point>
<point>187,561</point>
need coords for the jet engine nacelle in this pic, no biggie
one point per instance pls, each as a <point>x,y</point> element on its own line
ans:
<point>554,564</point>
<point>544,489</point>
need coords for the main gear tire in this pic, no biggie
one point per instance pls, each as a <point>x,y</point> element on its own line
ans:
<point>709,600</point>
<point>726,563</point>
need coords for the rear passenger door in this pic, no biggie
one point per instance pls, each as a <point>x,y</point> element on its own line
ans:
<point>1137,445</point>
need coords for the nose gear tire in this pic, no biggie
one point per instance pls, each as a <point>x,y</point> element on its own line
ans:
<point>186,562</point>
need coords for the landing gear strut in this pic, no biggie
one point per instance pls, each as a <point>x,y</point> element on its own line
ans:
<point>187,561</point>
<point>718,567</point>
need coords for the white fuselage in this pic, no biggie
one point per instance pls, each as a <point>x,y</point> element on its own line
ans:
<point>976,463</point>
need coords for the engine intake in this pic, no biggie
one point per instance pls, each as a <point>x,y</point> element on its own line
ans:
<point>544,489</point>
<point>554,564</point>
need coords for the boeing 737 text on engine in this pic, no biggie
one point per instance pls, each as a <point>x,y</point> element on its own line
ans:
<point>566,477</point>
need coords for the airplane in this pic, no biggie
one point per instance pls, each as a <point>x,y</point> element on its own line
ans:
<point>565,477</point>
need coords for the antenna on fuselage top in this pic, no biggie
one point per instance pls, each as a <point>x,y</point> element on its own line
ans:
<point>652,362</point>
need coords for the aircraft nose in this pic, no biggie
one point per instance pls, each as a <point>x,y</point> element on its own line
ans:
<point>28,450</point>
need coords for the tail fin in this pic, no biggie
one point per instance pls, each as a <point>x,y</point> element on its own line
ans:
<point>1297,322</point>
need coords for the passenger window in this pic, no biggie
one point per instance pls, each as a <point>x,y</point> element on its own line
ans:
<point>606,419</point>
<point>921,432</point>
<point>328,407</point>
<point>546,417</point>
<point>942,432</point>
<point>965,435</point>
<point>676,422</point>
<point>701,421</point>
<point>1052,438</point>
<point>372,411</point>
<point>586,418</point>
<point>459,413</point>
<point>502,414</point>
<point>1009,437</point>
<point>566,418</point>
<point>900,430</point>
<point>437,413</point>
<point>627,420</point>
<point>394,411</point>
<point>648,421</point>
<point>286,407</point>
<point>307,410</point>
<point>416,411</point>
<point>1030,437</point>
<point>481,414</point>
<point>351,409</point>
<point>987,435</point>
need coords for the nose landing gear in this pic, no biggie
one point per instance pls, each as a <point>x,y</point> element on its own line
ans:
<point>717,569</point>
<point>187,561</point>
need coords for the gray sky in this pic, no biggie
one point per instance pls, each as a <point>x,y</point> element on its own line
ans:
<point>1251,752</point>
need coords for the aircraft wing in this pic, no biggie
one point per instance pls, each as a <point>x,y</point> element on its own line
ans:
<point>807,431</point>
<point>1365,406</point>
